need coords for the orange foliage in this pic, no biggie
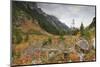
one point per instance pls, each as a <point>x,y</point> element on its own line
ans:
<point>20,47</point>
<point>23,60</point>
<point>74,56</point>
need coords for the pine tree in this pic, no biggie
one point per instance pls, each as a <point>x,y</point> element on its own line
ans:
<point>82,29</point>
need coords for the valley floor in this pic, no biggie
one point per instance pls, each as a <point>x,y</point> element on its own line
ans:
<point>42,49</point>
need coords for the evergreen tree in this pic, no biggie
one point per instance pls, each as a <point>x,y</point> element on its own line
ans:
<point>82,29</point>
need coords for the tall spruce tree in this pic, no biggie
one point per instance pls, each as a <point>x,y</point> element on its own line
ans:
<point>82,29</point>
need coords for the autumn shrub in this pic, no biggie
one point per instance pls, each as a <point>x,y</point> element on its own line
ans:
<point>17,36</point>
<point>49,39</point>
<point>26,37</point>
<point>89,56</point>
<point>87,34</point>
<point>62,37</point>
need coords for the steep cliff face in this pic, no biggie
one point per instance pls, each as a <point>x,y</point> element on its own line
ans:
<point>47,22</point>
<point>92,27</point>
<point>93,23</point>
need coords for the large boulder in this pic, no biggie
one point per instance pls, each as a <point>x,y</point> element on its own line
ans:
<point>83,44</point>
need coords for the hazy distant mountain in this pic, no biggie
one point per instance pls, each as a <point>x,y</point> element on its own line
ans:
<point>49,23</point>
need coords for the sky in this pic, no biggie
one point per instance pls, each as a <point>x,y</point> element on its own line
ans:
<point>67,12</point>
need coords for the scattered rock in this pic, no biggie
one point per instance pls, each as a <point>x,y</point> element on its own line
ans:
<point>83,44</point>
